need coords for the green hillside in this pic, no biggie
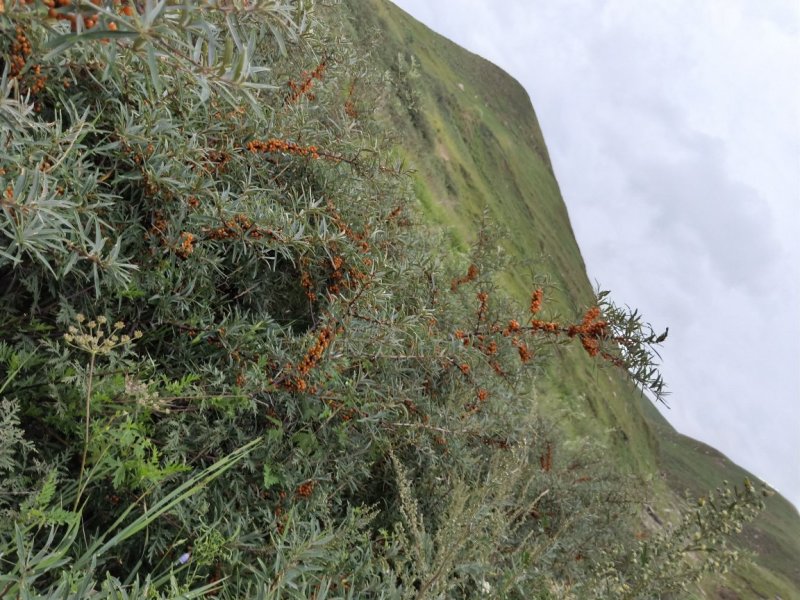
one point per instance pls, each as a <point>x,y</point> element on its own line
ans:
<point>471,133</point>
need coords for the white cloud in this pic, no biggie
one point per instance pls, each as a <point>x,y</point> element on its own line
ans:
<point>677,123</point>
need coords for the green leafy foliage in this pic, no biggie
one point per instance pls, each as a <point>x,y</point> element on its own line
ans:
<point>296,396</point>
<point>669,562</point>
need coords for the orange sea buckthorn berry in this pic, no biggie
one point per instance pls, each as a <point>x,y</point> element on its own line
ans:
<point>536,300</point>
<point>524,353</point>
<point>304,490</point>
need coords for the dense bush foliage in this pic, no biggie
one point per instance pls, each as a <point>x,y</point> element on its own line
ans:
<point>231,360</point>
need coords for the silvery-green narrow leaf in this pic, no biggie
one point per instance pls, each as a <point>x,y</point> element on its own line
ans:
<point>96,278</point>
<point>197,50</point>
<point>114,253</point>
<point>61,43</point>
<point>211,52</point>
<point>205,90</point>
<point>16,260</point>
<point>278,35</point>
<point>303,26</point>
<point>254,85</point>
<point>152,11</point>
<point>238,68</point>
<point>72,260</point>
<point>227,56</point>
<point>153,66</point>
<point>233,28</point>
<point>99,240</point>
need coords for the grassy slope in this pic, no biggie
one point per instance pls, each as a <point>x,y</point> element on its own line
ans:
<point>477,146</point>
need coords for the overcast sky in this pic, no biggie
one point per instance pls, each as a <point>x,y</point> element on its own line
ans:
<point>674,129</point>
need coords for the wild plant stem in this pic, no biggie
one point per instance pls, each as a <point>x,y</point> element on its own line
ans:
<point>86,417</point>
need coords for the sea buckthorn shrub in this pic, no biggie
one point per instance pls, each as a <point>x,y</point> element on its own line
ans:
<point>668,562</point>
<point>231,360</point>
